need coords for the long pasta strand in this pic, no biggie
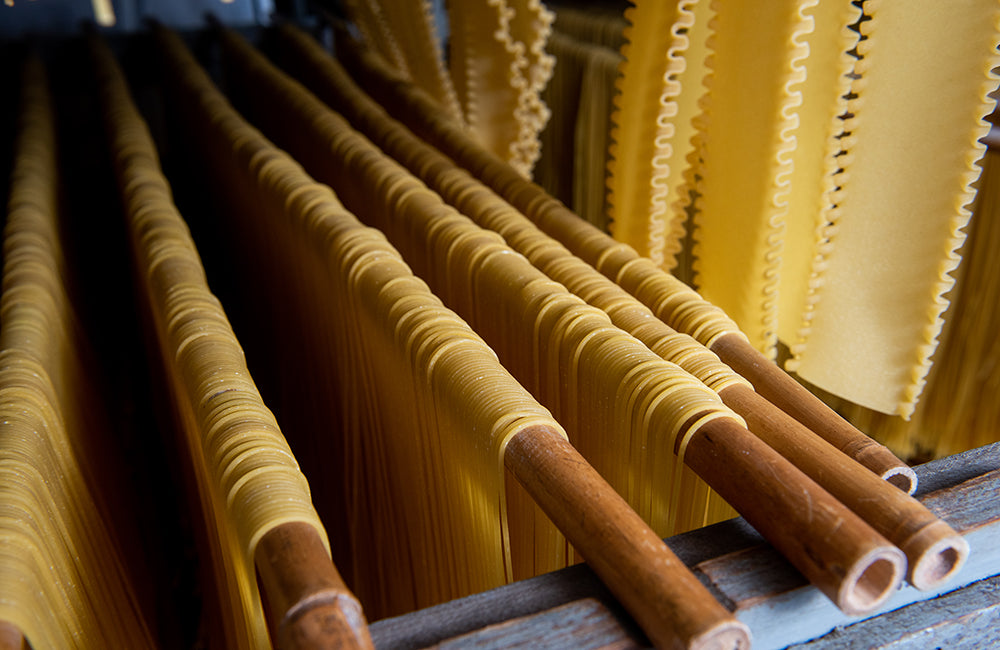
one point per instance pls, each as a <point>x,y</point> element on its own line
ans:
<point>62,579</point>
<point>248,480</point>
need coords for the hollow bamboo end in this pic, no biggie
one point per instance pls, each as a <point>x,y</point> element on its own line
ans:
<point>730,635</point>
<point>902,477</point>
<point>936,554</point>
<point>871,581</point>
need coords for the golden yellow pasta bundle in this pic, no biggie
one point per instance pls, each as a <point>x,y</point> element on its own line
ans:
<point>416,393</point>
<point>248,480</point>
<point>62,579</point>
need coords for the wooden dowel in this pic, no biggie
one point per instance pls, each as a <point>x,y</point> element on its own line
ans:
<point>935,552</point>
<point>779,388</point>
<point>308,603</point>
<point>836,550</point>
<point>11,637</point>
<point>665,598</point>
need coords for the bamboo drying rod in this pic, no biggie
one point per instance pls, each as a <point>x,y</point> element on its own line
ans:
<point>857,568</point>
<point>419,112</point>
<point>665,598</point>
<point>308,603</point>
<point>933,549</point>
<point>11,637</point>
<point>671,605</point>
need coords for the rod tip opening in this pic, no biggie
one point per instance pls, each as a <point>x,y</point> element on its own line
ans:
<point>902,477</point>
<point>872,580</point>
<point>939,563</point>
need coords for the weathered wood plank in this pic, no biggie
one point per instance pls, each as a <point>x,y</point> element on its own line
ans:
<point>582,624</point>
<point>966,619</point>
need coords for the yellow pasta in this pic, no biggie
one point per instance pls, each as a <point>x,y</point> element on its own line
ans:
<point>248,480</point>
<point>419,386</point>
<point>368,16</point>
<point>409,27</point>
<point>562,96</point>
<point>574,156</point>
<point>597,24</point>
<point>811,190</point>
<point>498,66</point>
<point>592,136</point>
<point>63,582</point>
<point>555,345</point>
<point>642,147</point>
<point>531,25</point>
<point>911,160</point>
<point>747,136</point>
<point>952,415</point>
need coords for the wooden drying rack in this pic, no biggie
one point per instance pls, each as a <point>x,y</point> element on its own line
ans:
<point>571,608</point>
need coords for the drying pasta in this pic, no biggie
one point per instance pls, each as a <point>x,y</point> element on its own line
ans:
<point>745,140</point>
<point>877,313</point>
<point>498,67</point>
<point>489,211</point>
<point>592,135</point>
<point>562,96</point>
<point>409,28</point>
<point>63,582</point>
<point>248,480</point>
<point>581,92</point>
<point>643,150</point>
<point>531,25</point>
<point>415,381</point>
<point>812,193</point>
<point>610,392</point>
<point>596,24</point>
<point>952,416</point>
<point>670,299</point>
<point>553,343</point>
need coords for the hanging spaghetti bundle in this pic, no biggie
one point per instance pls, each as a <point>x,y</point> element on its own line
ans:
<point>635,415</point>
<point>934,550</point>
<point>255,502</point>
<point>671,300</point>
<point>581,92</point>
<point>63,582</point>
<point>429,409</point>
